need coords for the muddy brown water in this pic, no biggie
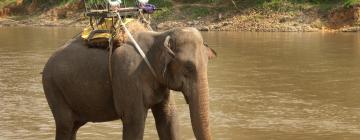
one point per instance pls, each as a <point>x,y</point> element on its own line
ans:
<point>277,86</point>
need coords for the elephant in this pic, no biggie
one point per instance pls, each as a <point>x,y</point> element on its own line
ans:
<point>78,87</point>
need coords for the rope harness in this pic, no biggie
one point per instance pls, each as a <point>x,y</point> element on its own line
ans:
<point>136,45</point>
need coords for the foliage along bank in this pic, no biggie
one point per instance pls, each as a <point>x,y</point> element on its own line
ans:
<point>229,15</point>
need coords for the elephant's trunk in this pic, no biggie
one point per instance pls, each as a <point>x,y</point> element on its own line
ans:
<point>199,108</point>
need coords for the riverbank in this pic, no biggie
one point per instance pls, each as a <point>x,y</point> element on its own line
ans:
<point>269,17</point>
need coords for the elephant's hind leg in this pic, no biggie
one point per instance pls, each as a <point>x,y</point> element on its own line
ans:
<point>67,129</point>
<point>77,125</point>
<point>65,119</point>
<point>66,123</point>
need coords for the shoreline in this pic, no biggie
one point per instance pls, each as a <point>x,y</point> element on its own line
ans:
<point>313,19</point>
<point>200,25</point>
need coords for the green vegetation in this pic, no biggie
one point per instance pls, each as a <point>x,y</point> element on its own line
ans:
<point>164,14</point>
<point>221,6</point>
<point>348,3</point>
<point>190,9</point>
<point>168,2</point>
<point>161,3</point>
<point>275,4</point>
<point>6,2</point>
<point>195,11</point>
<point>316,2</point>
<point>50,3</point>
<point>294,5</point>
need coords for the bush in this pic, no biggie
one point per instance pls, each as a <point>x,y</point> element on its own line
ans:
<point>348,3</point>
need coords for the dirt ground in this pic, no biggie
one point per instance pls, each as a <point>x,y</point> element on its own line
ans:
<point>310,20</point>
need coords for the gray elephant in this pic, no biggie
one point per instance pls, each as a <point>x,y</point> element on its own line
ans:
<point>78,87</point>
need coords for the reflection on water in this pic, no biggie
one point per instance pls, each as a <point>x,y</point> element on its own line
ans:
<point>262,86</point>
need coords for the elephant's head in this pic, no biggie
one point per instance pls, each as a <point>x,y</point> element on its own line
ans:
<point>186,71</point>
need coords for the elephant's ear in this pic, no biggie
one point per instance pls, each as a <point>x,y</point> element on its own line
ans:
<point>168,54</point>
<point>210,52</point>
<point>167,45</point>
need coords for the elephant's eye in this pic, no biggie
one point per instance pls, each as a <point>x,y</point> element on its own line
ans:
<point>189,69</point>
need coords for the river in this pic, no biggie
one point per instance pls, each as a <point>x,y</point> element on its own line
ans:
<point>280,86</point>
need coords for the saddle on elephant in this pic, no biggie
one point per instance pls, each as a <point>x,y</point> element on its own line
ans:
<point>101,39</point>
<point>108,20</point>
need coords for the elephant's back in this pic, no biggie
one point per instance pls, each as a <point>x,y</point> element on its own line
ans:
<point>82,76</point>
<point>76,60</point>
<point>75,56</point>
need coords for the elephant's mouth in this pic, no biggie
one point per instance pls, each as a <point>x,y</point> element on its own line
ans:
<point>185,91</point>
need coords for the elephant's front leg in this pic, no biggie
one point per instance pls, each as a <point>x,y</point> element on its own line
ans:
<point>133,125</point>
<point>165,118</point>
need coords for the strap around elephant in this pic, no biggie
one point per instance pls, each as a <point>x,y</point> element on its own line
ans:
<point>137,46</point>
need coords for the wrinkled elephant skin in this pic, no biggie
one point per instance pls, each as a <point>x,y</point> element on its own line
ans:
<point>79,89</point>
